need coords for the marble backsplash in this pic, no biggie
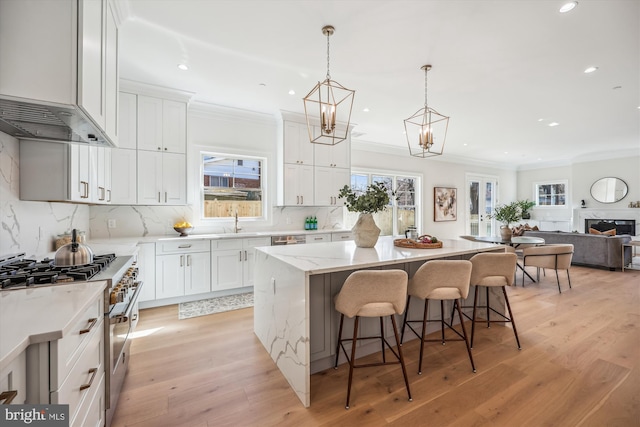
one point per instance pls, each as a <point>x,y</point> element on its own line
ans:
<point>142,221</point>
<point>31,227</point>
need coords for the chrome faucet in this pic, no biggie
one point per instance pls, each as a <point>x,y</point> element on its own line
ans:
<point>235,226</point>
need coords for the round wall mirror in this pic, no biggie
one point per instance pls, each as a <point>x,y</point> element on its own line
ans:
<point>609,190</point>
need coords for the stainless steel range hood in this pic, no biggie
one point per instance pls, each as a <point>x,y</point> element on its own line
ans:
<point>23,119</point>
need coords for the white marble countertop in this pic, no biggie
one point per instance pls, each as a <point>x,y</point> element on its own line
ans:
<point>29,316</point>
<point>339,256</point>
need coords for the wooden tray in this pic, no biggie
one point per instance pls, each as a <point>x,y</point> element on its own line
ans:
<point>412,244</point>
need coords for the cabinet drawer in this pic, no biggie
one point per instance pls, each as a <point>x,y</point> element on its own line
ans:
<point>14,378</point>
<point>257,241</point>
<point>318,238</point>
<point>182,247</point>
<point>226,244</point>
<point>341,236</point>
<point>83,379</point>
<point>65,351</point>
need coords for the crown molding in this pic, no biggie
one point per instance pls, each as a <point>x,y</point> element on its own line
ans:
<point>147,89</point>
<point>230,114</point>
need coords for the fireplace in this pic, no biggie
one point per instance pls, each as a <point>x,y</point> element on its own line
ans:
<point>622,226</point>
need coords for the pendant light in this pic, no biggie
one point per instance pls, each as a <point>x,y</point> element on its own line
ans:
<point>426,130</point>
<point>327,107</point>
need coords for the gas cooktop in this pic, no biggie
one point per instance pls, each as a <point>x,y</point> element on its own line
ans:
<point>17,272</point>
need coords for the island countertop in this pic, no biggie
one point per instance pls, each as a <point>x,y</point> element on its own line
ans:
<point>329,257</point>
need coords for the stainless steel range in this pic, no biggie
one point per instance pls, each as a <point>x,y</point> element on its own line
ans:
<point>120,308</point>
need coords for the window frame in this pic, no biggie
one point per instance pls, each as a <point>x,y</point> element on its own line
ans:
<point>394,203</point>
<point>235,156</point>
<point>536,193</point>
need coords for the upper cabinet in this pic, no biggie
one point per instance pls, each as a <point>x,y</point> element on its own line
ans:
<point>162,125</point>
<point>62,56</point>
<point>310,174</point>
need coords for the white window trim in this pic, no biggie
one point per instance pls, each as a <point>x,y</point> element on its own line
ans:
<point>265,186</point>
<point>396,173</point>
<point>567,195</point>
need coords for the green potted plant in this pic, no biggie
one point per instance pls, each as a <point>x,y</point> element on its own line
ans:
<point>506,214</point>
<point>525,205</point>
<point>374,199</point>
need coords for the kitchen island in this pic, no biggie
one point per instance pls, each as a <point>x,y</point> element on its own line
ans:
<point>294,288</point>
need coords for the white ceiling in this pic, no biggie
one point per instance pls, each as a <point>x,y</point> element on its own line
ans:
<point>502,70</point>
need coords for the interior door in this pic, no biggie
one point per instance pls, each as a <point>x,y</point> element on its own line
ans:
<point>481,196</point>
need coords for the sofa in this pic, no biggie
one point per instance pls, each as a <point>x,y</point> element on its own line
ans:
<point>594,250</point>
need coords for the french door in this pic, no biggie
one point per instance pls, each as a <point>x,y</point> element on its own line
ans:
<point>481,197</point>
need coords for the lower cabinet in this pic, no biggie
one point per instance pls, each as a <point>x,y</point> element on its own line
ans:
<point>232,262</point>
<point>182,269</point>
<point>13,381</point>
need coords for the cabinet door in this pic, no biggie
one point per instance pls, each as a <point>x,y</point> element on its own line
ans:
<point>249,246</point>
<point>128,122</point>
<point>341,177</point>
<point>227,269</point>
<point>174,186</point>
<point>174,126</point>
<point>297,147</point>
<point>149,123</point>
<point>91,61</point>
<point>198,273</point>
<point>100,163</point>
<point>147,271</point>
<point>123,177</point>
<point>324,193</point>
<point>111,74</point>
<point>170,276</point>
<point>79,179</point>
<point>149,177</point>
<point>298,185</point>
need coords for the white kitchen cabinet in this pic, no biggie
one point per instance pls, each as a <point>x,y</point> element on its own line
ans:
<point>182,268</point>
<point>128,121</point>
<point>318,238</point>
<point>298,185</point>
<point>124,184</point>
<point>333,156</point>
<point>71,370</point>
<point>13,380</point>
<point>72,46</point>
<point>327,184</point>
<point>297,147</point>
<point>161,178</point>
<point>162,125</point>
<point>341,236</point>
<point>51,171</point>
<point>147,271</point>
<point>232,262</point>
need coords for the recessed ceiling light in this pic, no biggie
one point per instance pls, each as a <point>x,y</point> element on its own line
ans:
<point>366,110</point>
<point>292,92</point>
<point>554,124</point>
<point>590,70</point>
<point>540,120</point>
<point>465,144</point>
<point>568,6</point>
<point>183,67</point>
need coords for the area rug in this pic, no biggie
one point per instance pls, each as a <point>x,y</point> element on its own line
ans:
<point>188,310</point>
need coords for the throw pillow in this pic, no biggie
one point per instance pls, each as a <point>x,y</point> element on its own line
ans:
<point>607,233</point>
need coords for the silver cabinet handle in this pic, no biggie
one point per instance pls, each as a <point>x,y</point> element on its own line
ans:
<point>188,260</point>
<point>165,197</point>
<point>158,197</point>
<point>302,200</point>
<point>245,255</point>
<point>159,148</point>
<point>109,193</point>
<point>240,256</point>
<point>185,246</point>
<point>181,260</point>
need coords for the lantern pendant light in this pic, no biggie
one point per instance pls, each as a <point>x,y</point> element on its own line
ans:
<point>426,130</point>
<point>327,107</point>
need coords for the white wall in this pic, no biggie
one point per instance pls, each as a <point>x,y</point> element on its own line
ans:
<point>436,172</point>
<point>30,227</point>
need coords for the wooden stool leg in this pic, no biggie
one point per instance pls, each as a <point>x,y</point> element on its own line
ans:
<point>352,361</point>
<point>404,322</point>
<point>384,357</point>
<point>464,334</point>
<point>424,331</point>
<point>339,338</point>
<point>513,323</point>
<point>473,316</point>
<point>404,368</point>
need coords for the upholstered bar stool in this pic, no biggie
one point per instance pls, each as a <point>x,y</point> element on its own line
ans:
<point>439,280</point>
<point>491,270</point>
<point>556,257</point>
<point>372,293</point>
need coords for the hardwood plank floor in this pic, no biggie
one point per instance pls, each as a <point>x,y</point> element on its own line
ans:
<point>579,366</point>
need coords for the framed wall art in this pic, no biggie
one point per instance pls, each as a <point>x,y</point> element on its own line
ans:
<point>445,204</point>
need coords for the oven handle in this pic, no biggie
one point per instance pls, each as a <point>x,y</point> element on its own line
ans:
<point>124,317</point>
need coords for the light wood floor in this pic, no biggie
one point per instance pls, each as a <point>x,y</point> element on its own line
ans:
<point>579,366</point>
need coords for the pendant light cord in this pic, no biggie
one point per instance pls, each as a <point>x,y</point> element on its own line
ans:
<point>426,70</point>
<point>328,73</point>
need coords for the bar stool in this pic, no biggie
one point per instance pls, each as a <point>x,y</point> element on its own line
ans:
<point>371,293</point>
<point>492,270</point>
<point>556,257</point>
<point>443,280</point>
